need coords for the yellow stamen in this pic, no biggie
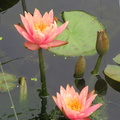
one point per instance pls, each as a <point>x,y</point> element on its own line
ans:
<point>41,26</point>
<point>74,104</point>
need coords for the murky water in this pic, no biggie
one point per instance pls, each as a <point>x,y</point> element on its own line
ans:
<point>59,70</point>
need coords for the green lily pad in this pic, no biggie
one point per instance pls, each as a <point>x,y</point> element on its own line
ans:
<point>9,79</point>
<point>113,72</point>
<point>80,34</point>
<point>3,87</point>
<point>117,59</point>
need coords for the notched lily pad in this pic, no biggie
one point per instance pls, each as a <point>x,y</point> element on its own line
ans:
<point>9,79</point>
<point>80,34</point>
<point>113,72</point>
<point>117,59</point>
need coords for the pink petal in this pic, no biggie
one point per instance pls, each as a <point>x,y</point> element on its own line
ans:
<point>54,43</point>
<point>20,28</point>
<point>89,101</point>
<point>57,43</point>
<point>71,114</point>
<point>58,100</point>
<point>31,46</point>
<point>27,37</point>
<point>23,32</point>
<point>26,24</point>
<point>83,96</point>
<point>90,93</point>
<point>51,38</point>
<point>62,28</point>
<point>48,31</point>
<point>47,18</point>
<point>68,87</point>
<point>29,18</point>
<point>51,15</point>
<point>39,37</point>
<point>45,46</point>
<point>91,109</point>
<point>81,119</point>
<point>37,15</point>
<point>72,90</point>
<point>62,90</point>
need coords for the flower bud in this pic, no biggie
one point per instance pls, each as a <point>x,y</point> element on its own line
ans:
<point>102,43</point>
<point>80,67</point>
<point>22,81</point>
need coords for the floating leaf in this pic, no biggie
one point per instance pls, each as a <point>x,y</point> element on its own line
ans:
<point>3,86</point>
<point>81,34</point>
<point>113,72</point>
<point>117,59</point>
<point>9,78</point>
<point>6,4</point>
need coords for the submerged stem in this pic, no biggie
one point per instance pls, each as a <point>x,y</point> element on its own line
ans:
<point>42,73</point>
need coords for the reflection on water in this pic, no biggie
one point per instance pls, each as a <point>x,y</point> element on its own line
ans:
<point>60,71</point>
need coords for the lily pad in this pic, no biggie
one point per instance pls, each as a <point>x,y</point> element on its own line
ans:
<point>113,72</point>
<point>3,87</point>
<point>81,34</point>
<point>117,59</point>
<point>9,79</point>
<point>6,4</point>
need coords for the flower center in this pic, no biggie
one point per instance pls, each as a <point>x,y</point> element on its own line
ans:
<point>41,26</point>
<point>74,104</point>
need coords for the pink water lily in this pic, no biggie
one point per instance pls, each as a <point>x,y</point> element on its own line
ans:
<point>76,106</point>
<point>40,31</point>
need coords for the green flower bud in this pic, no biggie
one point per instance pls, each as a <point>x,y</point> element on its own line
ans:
<point>102,43</point>
<point>80,67</point>
<point>22,81</point>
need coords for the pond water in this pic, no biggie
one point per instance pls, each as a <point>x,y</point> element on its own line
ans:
<point>59,69</point>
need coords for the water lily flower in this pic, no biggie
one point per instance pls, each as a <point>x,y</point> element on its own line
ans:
<point>76,106</point>
<point>40,31</point>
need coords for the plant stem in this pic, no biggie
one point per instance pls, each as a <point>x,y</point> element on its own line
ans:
<point>43,91</point>
<point>24,5</point>
<point>95,71</point>
<point>43,114</point>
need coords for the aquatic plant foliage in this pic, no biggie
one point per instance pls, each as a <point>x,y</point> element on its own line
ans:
<point>80,34</point>
<point>9,79</point>
<point>6,4</point>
